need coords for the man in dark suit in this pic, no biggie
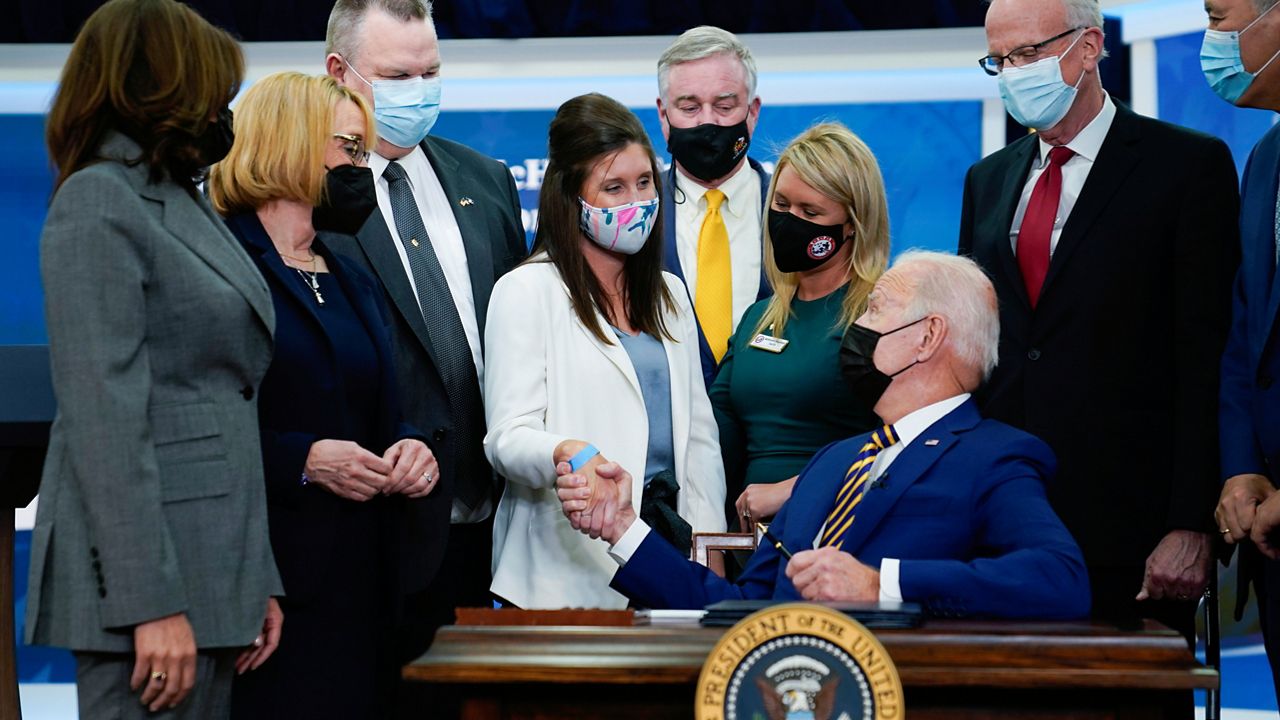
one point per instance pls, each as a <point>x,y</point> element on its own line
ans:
<point>1111,241</point>
<point>963,526</point>
<point>714,192</point>
<point>449,226</point>
<point>1249,418</point>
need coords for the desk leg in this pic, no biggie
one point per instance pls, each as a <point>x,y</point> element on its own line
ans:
<point>9,706</point>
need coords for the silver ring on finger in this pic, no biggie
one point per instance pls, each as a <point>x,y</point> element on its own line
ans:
<point>426,477</point>
<point>159,675</point>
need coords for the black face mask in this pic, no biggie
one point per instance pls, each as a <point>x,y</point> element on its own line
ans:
<point>708,152</point>
<point>215,142</point>
<point>800,245</point>
<point>349,200</point>
<point>858,368</point>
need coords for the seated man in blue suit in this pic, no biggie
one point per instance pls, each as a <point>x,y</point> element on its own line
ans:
<point>939,507</point>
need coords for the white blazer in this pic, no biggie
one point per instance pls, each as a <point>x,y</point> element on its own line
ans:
<point>548,379</point>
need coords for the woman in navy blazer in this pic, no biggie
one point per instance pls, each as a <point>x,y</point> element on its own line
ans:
<point>339,462</point>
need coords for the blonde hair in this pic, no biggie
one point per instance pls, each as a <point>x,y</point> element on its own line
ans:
<point>283,127</point>
<point>832,160</point>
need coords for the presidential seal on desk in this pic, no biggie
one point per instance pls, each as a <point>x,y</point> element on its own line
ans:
<point>799,662</point>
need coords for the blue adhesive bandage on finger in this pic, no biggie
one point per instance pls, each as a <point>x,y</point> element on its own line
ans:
<point>584,455</point>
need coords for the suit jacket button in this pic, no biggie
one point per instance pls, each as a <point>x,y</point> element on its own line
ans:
<point>102,592</point>
<point>93,552</point>
<point>438,434</point>
<point>1033,354</point>
<point>246,392</point>
<point>1264,382</point>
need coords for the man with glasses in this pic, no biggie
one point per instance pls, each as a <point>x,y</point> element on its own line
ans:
<point>1111,240</point>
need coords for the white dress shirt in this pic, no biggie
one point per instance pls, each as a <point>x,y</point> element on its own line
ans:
<point>908,429</point>
<point>446,240</point>
<point>741,211</point>
<point>1075,172</point>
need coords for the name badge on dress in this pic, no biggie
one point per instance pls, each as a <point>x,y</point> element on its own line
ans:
<point>767,342</point>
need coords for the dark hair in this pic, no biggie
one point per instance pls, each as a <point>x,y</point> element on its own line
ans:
<point>151,69</point>
<point>584,130</point>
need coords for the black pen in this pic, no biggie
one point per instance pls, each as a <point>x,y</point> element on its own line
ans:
<point>776,542</point>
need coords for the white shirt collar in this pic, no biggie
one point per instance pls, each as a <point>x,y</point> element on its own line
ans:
<point>378,164</point>
<point>735,189</point>
<point>1088,142</point>
<point>914,423</point>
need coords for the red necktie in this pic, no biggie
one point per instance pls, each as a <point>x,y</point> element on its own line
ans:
<point>1037,223</point>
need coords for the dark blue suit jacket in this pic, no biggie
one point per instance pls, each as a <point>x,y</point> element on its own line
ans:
<point>1249,402</point>
<point>1249,411</point>
<point>301,402</point>
<point>966,515</point>
<point>671,262</point>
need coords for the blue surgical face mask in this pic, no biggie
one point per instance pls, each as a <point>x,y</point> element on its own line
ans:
<point>622,229</point>
<point>1035,95</point>
<point>1223,68</point>
<point>405,110</point>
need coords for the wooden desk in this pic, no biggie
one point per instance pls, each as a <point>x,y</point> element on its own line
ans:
<point>949,669</point>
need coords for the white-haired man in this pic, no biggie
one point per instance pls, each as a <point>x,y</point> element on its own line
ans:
<point>1111,240</point>
<point>714,193</point>
<point>939,507</point>
<point>449,226</point>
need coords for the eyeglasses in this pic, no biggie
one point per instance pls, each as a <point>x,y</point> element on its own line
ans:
<point>1025,55</point>
<point>353,146</point>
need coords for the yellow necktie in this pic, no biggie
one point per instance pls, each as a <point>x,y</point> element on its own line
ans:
<point>713,296</point>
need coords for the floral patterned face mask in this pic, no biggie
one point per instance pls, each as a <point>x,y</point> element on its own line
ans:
<point>622,229</point>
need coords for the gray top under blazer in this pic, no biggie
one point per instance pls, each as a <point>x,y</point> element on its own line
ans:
<point>152,500</point>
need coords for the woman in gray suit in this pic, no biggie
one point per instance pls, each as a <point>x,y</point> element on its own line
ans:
<point>150,557</point>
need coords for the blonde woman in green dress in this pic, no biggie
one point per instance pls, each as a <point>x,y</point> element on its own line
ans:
<point>778,397</point>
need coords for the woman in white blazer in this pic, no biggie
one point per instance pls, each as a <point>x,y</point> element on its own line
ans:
<point>592,355</point>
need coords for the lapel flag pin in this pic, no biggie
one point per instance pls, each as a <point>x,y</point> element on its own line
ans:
<point>930,443</point>
<point>464,202</point>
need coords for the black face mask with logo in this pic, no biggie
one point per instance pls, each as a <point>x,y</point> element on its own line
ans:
<point>858,366</point>
<point>800,245</point>
<point>709,151</point>
<point>348,202</point>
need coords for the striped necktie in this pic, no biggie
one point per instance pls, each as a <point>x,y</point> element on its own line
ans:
<point>855,486</point>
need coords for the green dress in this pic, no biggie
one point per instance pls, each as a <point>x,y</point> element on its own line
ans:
<point>775,410</point>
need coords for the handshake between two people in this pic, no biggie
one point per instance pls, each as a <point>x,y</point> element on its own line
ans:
<point>596,498</point>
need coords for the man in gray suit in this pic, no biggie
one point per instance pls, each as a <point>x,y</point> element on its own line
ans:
<point>449,227</point>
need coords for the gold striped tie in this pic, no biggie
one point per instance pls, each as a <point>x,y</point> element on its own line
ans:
<point>854,487</point>
<point>713,295</point>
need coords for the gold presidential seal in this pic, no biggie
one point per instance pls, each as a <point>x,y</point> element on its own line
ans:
<point>799,662</point>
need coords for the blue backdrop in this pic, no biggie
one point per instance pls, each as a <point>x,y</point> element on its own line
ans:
<point>924,150</point>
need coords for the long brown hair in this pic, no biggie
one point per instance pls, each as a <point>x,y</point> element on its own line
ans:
<point>584,130</point>
<point>153,70</point>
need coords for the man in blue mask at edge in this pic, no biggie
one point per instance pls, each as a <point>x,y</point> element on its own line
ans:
<point>1111,239</point>
<point>1239,51</point>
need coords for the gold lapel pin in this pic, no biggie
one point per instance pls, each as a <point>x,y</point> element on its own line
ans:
<point>466,201</point>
